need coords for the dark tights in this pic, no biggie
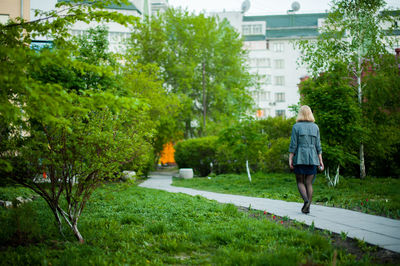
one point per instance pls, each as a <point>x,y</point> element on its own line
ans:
<point>304,184</point>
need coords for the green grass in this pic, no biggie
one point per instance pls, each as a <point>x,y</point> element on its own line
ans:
<point>379,196</point>
<point>124,224</point>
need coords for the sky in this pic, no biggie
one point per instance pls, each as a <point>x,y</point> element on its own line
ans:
<point>264,7</point>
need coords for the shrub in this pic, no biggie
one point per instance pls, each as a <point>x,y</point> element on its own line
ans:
<point>276,127</point>
<point>264,143</point>
<point>239,143</point>
<point>197,154</point>
<point>275,159</point>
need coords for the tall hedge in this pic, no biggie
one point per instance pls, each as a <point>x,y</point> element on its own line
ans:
<point>196,153</point>
<point>264,143</point>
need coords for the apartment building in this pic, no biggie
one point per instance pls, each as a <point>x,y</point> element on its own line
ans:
<point>11,9</point>
<point>272,55</point>
<point>158,6</point>
<point>117,33</point>
<point>270,41</point>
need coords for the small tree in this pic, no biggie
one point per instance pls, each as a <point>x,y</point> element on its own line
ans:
<point>202,61</point>
<point>336,111</point>
<point>63,141</point>
<point>354,35</point>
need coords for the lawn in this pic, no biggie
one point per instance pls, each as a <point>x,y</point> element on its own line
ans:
<point>379,196</point>
<point>126,224</point>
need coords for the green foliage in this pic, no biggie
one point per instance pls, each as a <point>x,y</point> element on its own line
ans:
<point>239,143</point>
<point>355,33</point>
<point>135,226</point>
<point>336,111</point>
<point>66,113</point>
<point>378,196</point>
<point>197,154</point>
<point>201,60</point>
<point>382,118</point>
<point>264,143</point>
<point>144,82</point>
<point>275,158</point>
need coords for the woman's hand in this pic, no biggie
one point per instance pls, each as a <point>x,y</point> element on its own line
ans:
<point>321,166</point>
<point>291,161</point>
<point>321,163</point>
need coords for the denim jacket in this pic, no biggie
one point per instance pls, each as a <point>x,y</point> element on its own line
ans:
<point>305,143</point>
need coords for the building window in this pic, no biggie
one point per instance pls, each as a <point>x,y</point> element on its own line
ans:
<point>268,62</point>
<point>279,63</point>
<point>280,113</point>
<point>278,47</point>
<point>280,80</point>
<point>246,29</point>
<point>255,29</point>
<point>4,19</point>
<point>279,97</point>
<point>264,95</point>
<point>267,79</point>
<point>254,95</point>
<point>260,62</point>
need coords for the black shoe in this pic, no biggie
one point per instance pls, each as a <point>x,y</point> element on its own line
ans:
<point>304,207</point>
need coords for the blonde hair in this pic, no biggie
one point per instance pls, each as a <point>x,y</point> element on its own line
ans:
<point>305,114</point>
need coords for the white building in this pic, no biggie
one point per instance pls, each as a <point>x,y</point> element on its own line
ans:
<point>117,32</point>
<point>158,6</point>
<point>269,41</point>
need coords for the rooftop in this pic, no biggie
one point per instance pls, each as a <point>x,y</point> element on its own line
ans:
<point>112,6</point>
<point>286,26</point>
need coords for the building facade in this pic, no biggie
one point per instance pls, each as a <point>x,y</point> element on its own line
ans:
<point>11,9</point>
<point>273,55</point>
<point>117,33</point>
<point>270,42</point>
<point>158,6</point>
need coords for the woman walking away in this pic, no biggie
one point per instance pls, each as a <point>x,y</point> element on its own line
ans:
<point>305,154</point>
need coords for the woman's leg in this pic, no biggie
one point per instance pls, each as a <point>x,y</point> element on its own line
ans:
<point>309,188</point>
<point>302,187</point>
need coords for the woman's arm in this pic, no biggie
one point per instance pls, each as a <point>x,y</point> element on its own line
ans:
<point>291,160</point>
<point>321,163</point>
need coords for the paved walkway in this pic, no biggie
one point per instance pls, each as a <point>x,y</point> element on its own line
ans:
<point>376,230</point>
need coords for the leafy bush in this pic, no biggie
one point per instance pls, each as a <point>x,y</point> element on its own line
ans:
<point>237,144</point>
<point>264,143</point>
<point>337,114</point>
<point>197,154</point>
<point>275,159</point>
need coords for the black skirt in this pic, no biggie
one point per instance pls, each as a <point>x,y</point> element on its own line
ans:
<point>303,169</point>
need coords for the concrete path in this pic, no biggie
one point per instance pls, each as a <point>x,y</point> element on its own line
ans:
<point>376,230</point>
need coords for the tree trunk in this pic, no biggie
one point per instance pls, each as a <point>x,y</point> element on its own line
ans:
<point>73,224</point>
<point>204,98</point>
<point>59,223</point>
<point>77,233</point>
<point>362,160</point>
